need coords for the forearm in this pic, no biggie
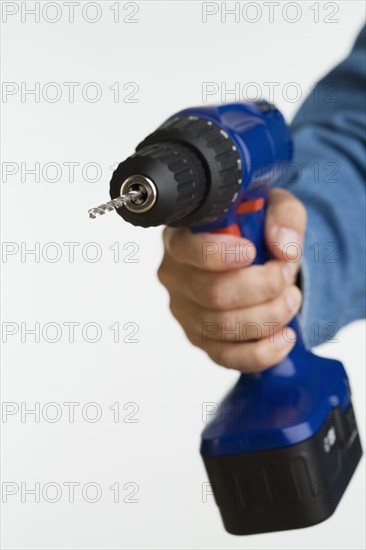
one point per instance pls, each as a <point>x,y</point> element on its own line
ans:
<point>329,178</point>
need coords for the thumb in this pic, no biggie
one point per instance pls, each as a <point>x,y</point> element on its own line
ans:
<point>285,225</point>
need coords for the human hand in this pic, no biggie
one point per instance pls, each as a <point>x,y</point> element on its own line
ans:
<point>238,316</point>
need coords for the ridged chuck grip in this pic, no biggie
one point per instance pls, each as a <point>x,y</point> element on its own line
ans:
<point>179,178</point>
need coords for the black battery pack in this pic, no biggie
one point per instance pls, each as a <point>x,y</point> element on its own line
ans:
<point>287,488</point>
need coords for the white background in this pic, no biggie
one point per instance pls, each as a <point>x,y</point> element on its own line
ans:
<point>168,53</point>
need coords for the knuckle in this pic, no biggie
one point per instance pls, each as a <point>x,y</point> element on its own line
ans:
<point>168,275</point>
<point>175,310</point>
<point>272,282</point>
<point>178,245</point>
<point>194,339</point>
<point>162,274</point>
<point>217,295</point>
<point>221,355</point>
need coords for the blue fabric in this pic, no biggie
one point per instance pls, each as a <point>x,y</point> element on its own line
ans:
<point>329,137</point>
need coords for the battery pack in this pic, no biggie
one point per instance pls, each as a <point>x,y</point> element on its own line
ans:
<point>290,487</point>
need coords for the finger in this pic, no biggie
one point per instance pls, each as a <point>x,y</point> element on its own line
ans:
<point>229,290</point>
<point>171,273</point>
<point>238,325</point>
<point>208,251</point>
<point>253,356</point>
<point>285,225</point>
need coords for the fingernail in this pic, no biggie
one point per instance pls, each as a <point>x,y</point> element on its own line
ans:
<point>287,237</point>
<point>288,271</point>
<point>283,338</point>
<point>292,298</point>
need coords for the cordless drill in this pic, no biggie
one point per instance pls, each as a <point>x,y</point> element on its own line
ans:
<point>283,445</point>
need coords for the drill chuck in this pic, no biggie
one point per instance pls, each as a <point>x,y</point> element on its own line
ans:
<point>194,169</point>
<point>170,176</point>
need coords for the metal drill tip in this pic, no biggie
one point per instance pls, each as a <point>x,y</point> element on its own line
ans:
<point>115,203</point>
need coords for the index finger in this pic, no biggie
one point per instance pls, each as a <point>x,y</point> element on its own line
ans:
<point>208,251</point>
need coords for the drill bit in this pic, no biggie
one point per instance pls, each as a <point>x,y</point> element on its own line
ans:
<point>109,206</point>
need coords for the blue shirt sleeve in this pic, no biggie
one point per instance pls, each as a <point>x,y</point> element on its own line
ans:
<point>328,176</point>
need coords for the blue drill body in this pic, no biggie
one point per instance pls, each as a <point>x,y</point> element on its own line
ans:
<point>288,403</point>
